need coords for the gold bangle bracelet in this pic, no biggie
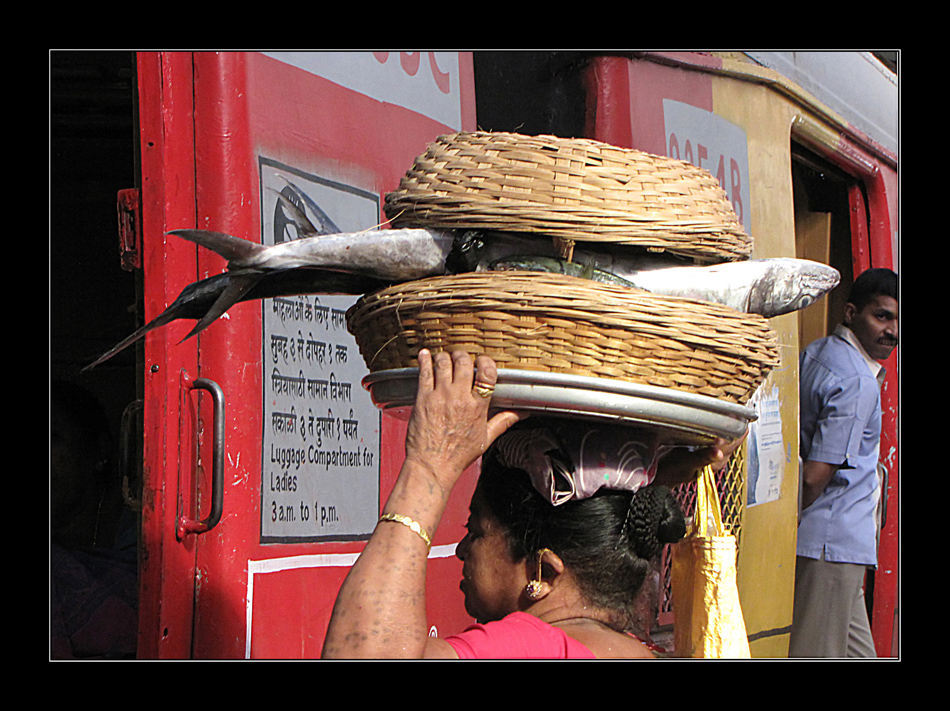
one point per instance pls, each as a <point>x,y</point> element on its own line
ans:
<point>409,523</point>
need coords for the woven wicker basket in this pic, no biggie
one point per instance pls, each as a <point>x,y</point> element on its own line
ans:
<point>562,324</point>
<point>572,190</point>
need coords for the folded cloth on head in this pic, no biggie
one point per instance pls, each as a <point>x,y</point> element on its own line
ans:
<point>573,460</point>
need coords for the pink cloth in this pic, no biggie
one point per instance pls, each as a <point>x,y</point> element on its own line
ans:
<point>567,462</point>
<point>517,636</point>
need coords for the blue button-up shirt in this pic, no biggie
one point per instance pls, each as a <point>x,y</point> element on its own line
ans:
<point>840,424</point>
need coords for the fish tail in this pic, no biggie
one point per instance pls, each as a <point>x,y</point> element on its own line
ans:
<point>165,317</point>
<point>233,249</point>
<point>234,292</point>
<point>221,291</point>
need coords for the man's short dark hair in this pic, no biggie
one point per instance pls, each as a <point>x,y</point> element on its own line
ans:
<point>873,282</point>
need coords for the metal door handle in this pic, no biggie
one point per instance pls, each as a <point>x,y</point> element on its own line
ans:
<point>883,474</point>
<point>185,524</point>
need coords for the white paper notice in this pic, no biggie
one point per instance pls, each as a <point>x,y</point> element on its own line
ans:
<point>766,448</point>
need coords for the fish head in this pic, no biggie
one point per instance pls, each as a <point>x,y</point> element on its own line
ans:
<point>815,280</point>
<point>792,285</point>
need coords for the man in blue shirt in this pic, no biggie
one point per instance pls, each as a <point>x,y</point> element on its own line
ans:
<point>840,421</point>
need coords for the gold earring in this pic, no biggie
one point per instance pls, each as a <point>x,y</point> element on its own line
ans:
<point>533,588</point>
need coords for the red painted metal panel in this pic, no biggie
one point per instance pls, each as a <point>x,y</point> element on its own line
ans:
<point>887,576</point>
<point>230,350</point>
<point>625,97</point>
<point>608,101</point>
<point>872,241</point>
<point>860,254</point>
<point>167,566</point>
<point>252,598</point>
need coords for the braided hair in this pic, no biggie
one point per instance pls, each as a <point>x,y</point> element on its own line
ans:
<point>607,541</point>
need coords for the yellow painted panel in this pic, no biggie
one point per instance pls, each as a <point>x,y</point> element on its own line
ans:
<point>766,565</point>
<point>773,647</point>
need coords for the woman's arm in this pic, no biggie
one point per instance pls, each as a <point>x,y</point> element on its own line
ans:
<point>380,610</point>
<point>683,465</point>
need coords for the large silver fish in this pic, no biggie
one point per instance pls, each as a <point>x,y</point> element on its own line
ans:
<point>347,263</point>
<point>768,287</point>
<point>384,255</point>
<point>388,255</point>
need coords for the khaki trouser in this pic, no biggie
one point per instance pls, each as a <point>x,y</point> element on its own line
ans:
<point>830,617</point>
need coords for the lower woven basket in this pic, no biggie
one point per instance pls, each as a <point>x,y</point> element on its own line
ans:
<point>562,324</point>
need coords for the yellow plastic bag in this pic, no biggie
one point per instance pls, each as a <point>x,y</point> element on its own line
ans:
<point>709,621</point>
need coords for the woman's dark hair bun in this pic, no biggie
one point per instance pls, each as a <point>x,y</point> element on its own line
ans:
<point>654,519</point>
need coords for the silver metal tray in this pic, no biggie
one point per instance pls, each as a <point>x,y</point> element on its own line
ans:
<point>679,417</point>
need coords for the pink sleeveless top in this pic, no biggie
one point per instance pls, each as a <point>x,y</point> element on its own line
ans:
<point>517,636</point>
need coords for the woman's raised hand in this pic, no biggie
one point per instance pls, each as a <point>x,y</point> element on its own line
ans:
<point>449,427</point>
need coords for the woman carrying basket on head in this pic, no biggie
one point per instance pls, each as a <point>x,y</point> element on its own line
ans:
<point>544,575</point>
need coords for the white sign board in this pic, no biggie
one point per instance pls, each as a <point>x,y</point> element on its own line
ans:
<point>424,82</point>
<point>321,432</point>
<point>711,142</point>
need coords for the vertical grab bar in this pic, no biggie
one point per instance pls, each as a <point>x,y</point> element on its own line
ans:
<point>187,525</point>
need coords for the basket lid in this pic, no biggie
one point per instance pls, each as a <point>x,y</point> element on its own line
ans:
<point>571,189</point>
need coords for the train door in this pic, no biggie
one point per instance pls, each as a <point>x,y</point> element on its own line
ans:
<point>266,463</point>
<point>844,199</point>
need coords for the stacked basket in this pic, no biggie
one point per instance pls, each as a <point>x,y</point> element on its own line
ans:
<point>569,191</point>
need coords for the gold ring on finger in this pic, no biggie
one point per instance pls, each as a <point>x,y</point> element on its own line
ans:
<point>483,390</point>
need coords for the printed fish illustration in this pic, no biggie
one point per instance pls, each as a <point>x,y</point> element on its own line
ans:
<point>304,223</point>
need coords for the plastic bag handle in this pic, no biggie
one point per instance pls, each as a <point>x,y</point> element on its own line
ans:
<point>707,521</point>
